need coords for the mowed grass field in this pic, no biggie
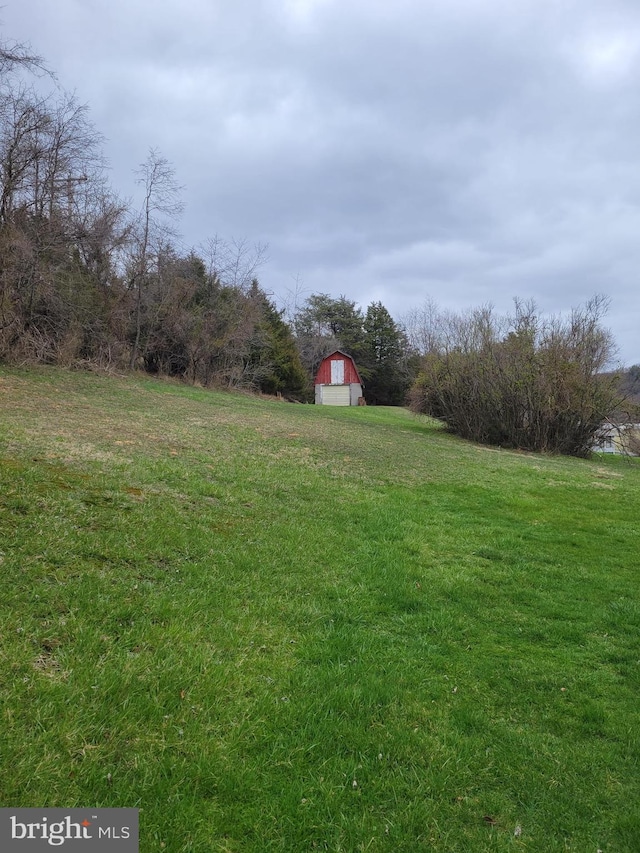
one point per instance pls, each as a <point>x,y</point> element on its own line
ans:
<point>276,627</point>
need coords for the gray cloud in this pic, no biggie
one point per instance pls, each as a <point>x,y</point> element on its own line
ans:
<point>469,150</point>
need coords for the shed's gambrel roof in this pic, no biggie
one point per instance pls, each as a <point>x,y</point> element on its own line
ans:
<point>331,357</point>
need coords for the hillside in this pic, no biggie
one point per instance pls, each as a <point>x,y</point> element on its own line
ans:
<point>295,628</point>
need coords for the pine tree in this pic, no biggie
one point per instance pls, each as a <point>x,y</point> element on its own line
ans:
<point>326,324</point>
<point>383,366</point>
<point>274,349</point>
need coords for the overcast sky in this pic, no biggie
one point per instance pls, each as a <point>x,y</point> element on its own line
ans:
<point>470,151</point>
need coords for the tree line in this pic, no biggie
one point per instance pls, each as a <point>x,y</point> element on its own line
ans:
<point>86,279</point>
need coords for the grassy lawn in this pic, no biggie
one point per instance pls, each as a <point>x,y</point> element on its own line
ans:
<point>286,628</point>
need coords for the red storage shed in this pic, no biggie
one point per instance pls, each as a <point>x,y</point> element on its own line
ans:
<point>337,381</point>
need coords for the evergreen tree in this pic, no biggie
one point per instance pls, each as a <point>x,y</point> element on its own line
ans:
<point>274,352</point>
<point>326,324</point>
<point>384,363</point>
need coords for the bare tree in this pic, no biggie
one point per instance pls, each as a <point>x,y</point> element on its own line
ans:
<point>291,303</point>
<point>234,263</point>
<point>526,381</point>
<point>24,125</point>
<point>15,57</point>
<point>160,205</point>
<point>73,154</point>
<point>423,327</point>
<point>50,167</point>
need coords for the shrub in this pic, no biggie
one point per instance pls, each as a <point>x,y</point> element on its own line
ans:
<point>523,381</point>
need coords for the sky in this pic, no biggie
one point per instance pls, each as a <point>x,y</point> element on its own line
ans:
<point>466,152</point>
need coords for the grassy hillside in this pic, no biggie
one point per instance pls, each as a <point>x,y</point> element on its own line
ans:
<point>287,628</point>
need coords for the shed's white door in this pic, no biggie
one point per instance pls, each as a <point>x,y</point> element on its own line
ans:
<point>335,395</point>
<point>337,372</point>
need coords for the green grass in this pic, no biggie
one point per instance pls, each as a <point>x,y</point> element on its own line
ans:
<point>286,628</point>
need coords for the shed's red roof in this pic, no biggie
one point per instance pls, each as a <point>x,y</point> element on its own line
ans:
<point>351,375</point>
